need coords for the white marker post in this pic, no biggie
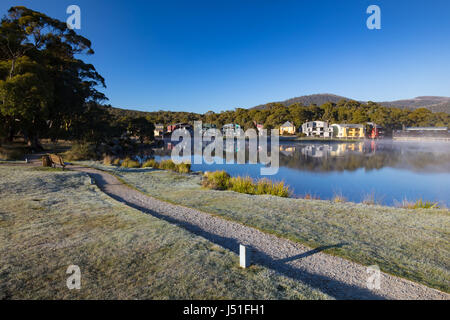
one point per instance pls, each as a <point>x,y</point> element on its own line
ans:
<point>245,256</point>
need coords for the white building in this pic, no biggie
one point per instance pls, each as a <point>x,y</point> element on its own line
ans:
<point>317,129</point>
<point>230,129</point>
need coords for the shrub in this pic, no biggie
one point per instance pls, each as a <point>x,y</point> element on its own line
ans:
<point>183,168</point>
<point>129,163</point>
<point>81,151</point>
<point>219,180</point>
<point>167,165</point>
<point>242,185</point>
<point>108,160</point>
<point>116,162</point>
<point>152,163</point>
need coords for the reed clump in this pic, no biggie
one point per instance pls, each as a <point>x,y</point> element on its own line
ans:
<point>130,163</point>
<point>220,180</point>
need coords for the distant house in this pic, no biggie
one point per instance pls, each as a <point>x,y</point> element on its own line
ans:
<point>230,129</point>
<point>375,131</point>
<point>349,131</point>
<point>182,126</point>
<point>287,128</point>
<point>259,128</point>
<point>317,129</point>
<point>419,133</point>
<point>159,130</point>
<point>207,126</point>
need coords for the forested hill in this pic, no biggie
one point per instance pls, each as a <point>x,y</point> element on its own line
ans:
<point>164,117</point>
<point>317,99</point>
<point>435,104</point>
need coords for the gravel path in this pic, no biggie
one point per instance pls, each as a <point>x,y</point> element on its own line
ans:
<point>335,276</point>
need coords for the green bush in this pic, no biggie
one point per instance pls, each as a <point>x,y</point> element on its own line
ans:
<point>218,180</point>
<point>129,163</point>
<point>183,168</point>
<point>152,163</point>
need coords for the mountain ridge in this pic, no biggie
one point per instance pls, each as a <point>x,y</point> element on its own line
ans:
<point>433,103</point>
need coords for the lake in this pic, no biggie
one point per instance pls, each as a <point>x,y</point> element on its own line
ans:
<point>388,170</point>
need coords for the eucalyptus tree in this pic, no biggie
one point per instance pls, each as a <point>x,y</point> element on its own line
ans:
<point>44,86</point>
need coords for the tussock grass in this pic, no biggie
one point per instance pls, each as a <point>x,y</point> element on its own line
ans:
<point>151,164</point>
<point>116,162</point>
<point>338,198</point>
<point>183,167</point>
<point>50,220</point>
<point>13,153</point>
<point>310,196</point>
<point>414,246</point>
<point>279,189</point>
<point>242,185</point>
<point>167,165</point>
<point>419,204</point>
<point>220,180</point>
<point>80,151</point>
<point>129,163</point>
<point>108,160</point>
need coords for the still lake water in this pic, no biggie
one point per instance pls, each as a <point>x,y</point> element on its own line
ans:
<point>389,170</point>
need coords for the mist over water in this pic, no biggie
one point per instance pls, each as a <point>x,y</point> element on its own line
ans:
<point>390,171</point>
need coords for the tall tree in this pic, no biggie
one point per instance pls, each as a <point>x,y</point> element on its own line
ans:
<point>46,87</point>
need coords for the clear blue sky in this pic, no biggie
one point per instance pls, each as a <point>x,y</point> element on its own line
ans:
<point>219,55</point>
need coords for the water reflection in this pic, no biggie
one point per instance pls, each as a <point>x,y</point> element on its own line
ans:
<point>391,170</point>
<point>369,155</point>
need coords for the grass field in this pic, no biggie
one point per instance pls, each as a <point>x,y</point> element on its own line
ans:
<point>51,219</point>
<point>413,244</point>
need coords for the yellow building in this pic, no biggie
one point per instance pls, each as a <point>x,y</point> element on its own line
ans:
<point>287,128</point>
<point>351,131</point>
<point>159,130</point>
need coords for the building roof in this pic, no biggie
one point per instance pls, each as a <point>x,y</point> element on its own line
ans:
<point>287,124</point>
<point>427,129</point>
<point>348,125</point>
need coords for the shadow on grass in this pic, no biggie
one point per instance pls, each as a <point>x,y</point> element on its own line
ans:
<point>334,288</point>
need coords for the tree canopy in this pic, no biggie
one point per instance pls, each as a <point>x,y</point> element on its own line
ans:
<point>44,86</point>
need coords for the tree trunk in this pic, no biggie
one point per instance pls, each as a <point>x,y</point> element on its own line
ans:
<point>13,66</point>
<point>10,135</point>
<point>34,144</point>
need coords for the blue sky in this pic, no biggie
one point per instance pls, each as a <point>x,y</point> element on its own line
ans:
<point>219,55</point>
